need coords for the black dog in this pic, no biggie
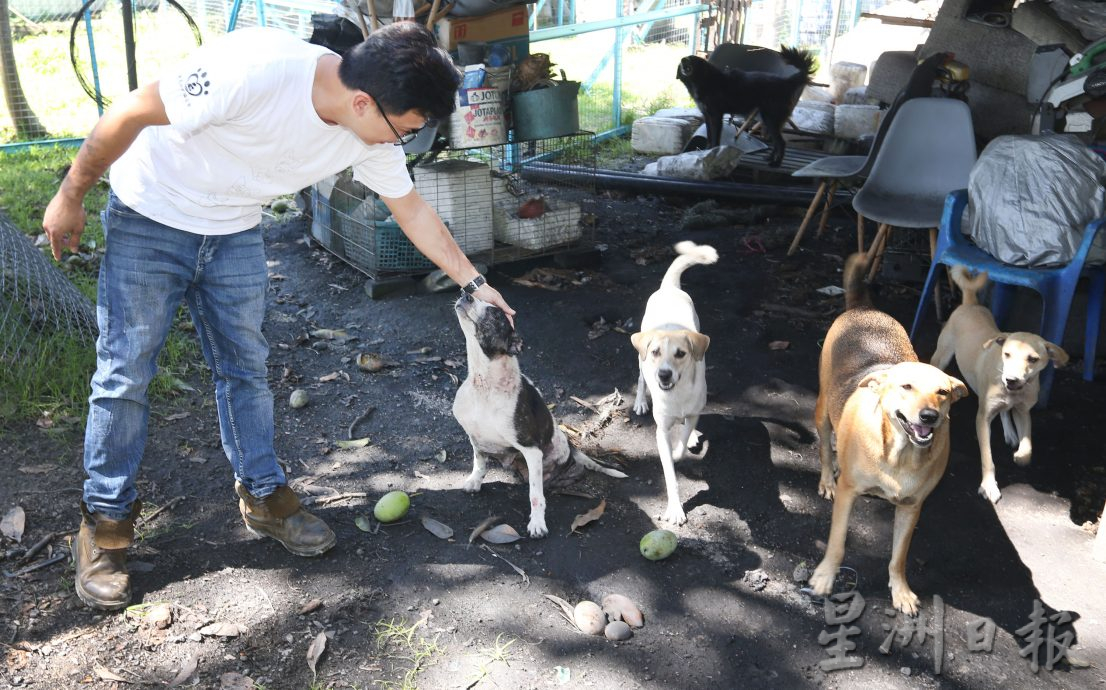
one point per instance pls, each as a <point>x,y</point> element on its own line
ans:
<point>720,91</point>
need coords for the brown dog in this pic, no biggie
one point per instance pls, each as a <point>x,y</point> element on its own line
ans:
<point>890,413</point>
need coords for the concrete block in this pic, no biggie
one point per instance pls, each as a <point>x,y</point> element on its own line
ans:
<point>661,135</point>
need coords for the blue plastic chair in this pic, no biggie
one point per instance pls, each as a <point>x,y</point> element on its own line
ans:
<point>1056,285</point>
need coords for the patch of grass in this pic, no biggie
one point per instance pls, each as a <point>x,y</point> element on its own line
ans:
<point>500,652</point>
<point>615,147</point>
<point>410,651</point>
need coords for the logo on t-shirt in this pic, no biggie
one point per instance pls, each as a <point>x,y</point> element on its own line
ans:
<point>196,84</point>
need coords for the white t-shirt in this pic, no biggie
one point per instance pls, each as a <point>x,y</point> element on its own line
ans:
<point>243,132</point>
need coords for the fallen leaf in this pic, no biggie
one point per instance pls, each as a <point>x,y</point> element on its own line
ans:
<point>372,362</point>
<point>329,377</point>
<point>104,674</point>
<point>185,672</point>
<point>37,469</point>
<point>779,345</point>
<point>590,516</point>
<point>438,529</point>
<point>328,333</point>
<point>363,523</point>
<point>180,385</point>
<point>479,529</point>
<point>12,524</point>
<point>566,608</point>
<point>235,681</point>
<point>318,646</point>
<point>177,415</point>
<point>500,534</point>
<point>223,629</point>
<point>313,605</point>
<point>355,443</point>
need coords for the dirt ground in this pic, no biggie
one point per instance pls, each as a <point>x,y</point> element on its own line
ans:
<point>400,607</point>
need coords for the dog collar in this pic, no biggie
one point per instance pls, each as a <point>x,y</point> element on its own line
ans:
<point>473,285</point>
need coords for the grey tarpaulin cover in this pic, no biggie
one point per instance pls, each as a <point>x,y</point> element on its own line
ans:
<point>1030,197</point>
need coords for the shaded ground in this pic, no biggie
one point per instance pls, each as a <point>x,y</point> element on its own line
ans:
<point>724,611</point>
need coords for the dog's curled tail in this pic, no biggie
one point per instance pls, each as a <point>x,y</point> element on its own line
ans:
<point>856,290</point>
<point>690,254</point>
<point>802,60</point>
<point>584,460</point>
<point>969,284</point>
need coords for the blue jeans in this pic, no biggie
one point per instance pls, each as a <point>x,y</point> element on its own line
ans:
<point>148,268</point>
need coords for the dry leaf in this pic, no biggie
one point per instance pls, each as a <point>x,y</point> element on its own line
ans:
<point>590,516</point>
<point>104,674</point>
<point>779,345</point>
<point>318,646</point>
<point>500,534</point>
<point>185,672</point>
<point>567,609</point>
<point>479,529</point>
<point>328,333</point>
<point>329,377</point>
<point>12,524</point>
<point>438,529</point>
<point>355,443</point>
<point>313,605</point>
<point>37,469</point>
<point>224,629</point>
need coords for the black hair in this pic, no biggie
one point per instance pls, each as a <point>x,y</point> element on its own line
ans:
<point>401,66</point>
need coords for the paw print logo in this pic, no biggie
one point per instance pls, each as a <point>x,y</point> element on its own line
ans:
<point>197,83</point>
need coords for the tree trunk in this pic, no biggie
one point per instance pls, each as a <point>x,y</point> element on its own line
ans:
<point>27,126</point>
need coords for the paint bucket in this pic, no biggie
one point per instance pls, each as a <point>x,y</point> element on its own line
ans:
<point>478,119</point>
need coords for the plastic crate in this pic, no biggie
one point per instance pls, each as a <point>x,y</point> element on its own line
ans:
<point>371,246</point>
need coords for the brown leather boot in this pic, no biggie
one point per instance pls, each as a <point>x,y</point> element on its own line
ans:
<point>280,516</point>
<point>102,580</point>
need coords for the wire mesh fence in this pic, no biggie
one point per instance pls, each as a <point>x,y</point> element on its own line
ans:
<point>66,60</point>
<point>492,207</point>
<point>39,306</point>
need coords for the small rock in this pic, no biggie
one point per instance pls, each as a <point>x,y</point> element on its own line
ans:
<point>618,631</point>
<point>905,670</point>
<point>801,573</point>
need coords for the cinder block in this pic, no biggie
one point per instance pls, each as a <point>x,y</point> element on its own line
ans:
<point>661,135</point>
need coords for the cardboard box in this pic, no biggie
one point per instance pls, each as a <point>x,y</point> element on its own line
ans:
<point>506,23</point>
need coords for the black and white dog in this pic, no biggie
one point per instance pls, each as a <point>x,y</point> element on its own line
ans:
<point>504,414</point>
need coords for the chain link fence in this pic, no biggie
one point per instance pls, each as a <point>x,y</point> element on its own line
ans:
<point>39,306</point>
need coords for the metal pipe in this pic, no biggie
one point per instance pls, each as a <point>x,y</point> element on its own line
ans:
<point>541,171</point>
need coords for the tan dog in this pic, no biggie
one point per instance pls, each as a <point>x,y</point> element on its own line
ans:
<point>1004,370</point>
<point>890,413</point>
<point>672,367</point>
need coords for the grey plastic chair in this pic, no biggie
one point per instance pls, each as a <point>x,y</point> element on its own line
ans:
<point>928,152</point>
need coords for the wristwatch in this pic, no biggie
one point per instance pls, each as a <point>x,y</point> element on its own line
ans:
<point>474,284</point>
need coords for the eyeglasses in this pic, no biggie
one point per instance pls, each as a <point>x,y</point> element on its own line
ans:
<point>402,139</point>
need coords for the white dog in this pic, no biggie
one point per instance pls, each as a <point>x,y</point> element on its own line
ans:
<point>504,414</point>
<point>672,367</point>
<point>1004,370</point>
